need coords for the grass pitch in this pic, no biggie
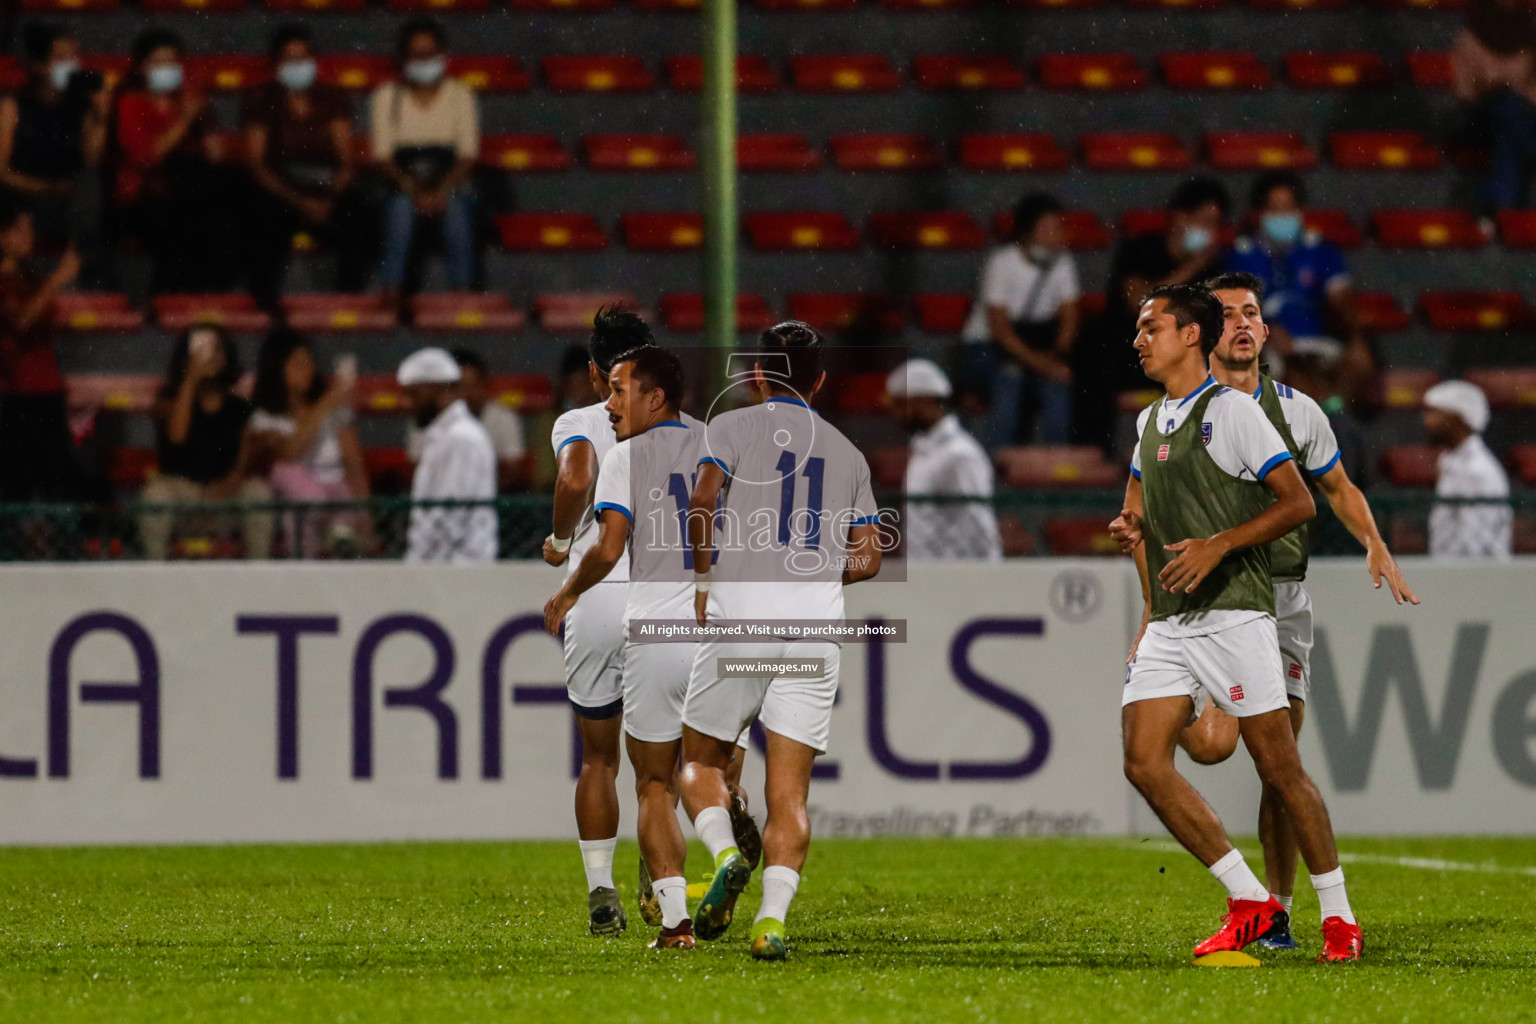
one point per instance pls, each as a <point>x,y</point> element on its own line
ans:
<point>933,930</point>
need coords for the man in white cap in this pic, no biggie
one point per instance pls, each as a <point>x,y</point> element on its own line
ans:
<point>946,463</point>
<point>457,463</point>
<point>1455,416</point>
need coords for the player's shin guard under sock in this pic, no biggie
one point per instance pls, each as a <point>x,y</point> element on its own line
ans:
<point>713,826</point>
<point>672,893</point>
<point>1234,873</point>
<point>779,885</point>
<point>597,858</point>
<point>1330,893</point>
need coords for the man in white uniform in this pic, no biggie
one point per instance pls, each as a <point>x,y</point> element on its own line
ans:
<point>1455,416</point>
<point>502,424</point>
<point>457,464</point>
<point>946,462</point>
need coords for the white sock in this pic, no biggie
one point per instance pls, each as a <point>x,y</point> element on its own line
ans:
<point>779,885</point>
<point>1285,901</point>
<point>713,826</point>
<point>597,858</point>
<point>1330,893</point>
<point>672,893</point>
<point>1234,873</point>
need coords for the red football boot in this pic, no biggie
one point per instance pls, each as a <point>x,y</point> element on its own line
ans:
<point>1244,922</point>
<point>1342,943</point>
<point>680,937</point>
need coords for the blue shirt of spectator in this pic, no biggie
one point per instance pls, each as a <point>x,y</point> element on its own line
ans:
<point>1297,278</point>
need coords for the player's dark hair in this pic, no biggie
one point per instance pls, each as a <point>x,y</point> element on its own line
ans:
<point>1198,192</point>
<point>801,347</point>
<point>420,27</point>
<point>1235,280</point>
<point>656,368</point>
<point>469,359</point>
<point>1029,211</point>
<point>37,39</point>
<point>292,32</point>
<point>1192,304</point>
<point>615,332</point>
<point>152,39</point>
<point>1267,182</point>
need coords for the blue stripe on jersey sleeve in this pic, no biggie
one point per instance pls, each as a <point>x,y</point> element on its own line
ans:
<point>865,521</point>
<point>1272,463</point>
<point>1135,472</point>
<point>711,460</point>
<point>1331,463</point>
<point>600,506</point>
<point>573,437</point>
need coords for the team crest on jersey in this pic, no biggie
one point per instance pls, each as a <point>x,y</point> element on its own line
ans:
<point>1205,434</point>
<point>1162,452</point>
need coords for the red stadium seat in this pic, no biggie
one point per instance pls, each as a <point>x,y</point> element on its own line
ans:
<point>435,6</point>
<point>128,393</point>
<point>885,153</point>
<point>130,467</point>
<point>683,312</point>
<point>68,6</point>
<point>782,153</point>
<point>1427,229</point>
<point>1012,152</point>
<point>111,66</point>
<point>1523,458</point>
<point>1080,536</point>
<point>1423,5</point>
<point>378,394</point>
<point>1255,151</point>
<point>455,312</point>
<point>190,6</point>
<point>1055,5</point>
<point>1430,69</point>
<point>844,311</point>
<point>524,153</point>
<point>942,312</point>
<point>104,312</point>
<point>585,6</point>
<point>1221,71</point>
<point>1296,5</point>
<point>1379,312</point>
<point>317,6</point>
<point>638,153</point>
<point>489,73</point>
<point>861,394</point>
<point>685,73</point>
<point>662,232</point>
<point>389,470</point>
<point>1343,70</point>
<point>550,232</point>
<point>785,232</point>
<point>1410,465</point>
<point>888,466</point>
<point>228,72</point>
<point>1177,5</point>
<point>12,74</point>
<point>597,74</point>
<point>325,313</point>
<point>928,5</point>
<point>523,393</point>
<point>1084,229</point>
<point>1382,151</point>
<point>854,72</point>
<point>1474,310</point>
<point>1403,390</point>
<point>236,312</point>
<point>668,6</point>
<point>990,72</point>
<point>1091,71</point>
<point>1507,387</point>
<point>1335,226</point>
<point>565,312</point>
<point>929,229</point>
<point>1517,228</point>
<point>1045,466</point>
<point>1134,151</point>
<point>806,5</point>
<point>358,73</point>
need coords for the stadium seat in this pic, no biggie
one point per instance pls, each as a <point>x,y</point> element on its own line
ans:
<point>597,74</point>
<point>489,73</point>
<point>983,72</point>
<point>1055,5</point>
<point>685,73</point>
<point>1091,71</point>
<point>1403,390</point>
<point>1507,387</point>
<point>844,311</point>
<point>435,6</point>
<point>1426,229</point>
<point>104,312</point>
<point>1523,458</point>
<point>130,467</point>
<point>389,470</point>
<point>453,312</point>
<point>1256,151</point>
<point>683,312</point>
<point>638,153</point>
<point>68,6</point>
<point>1177,5</point>
<point>1474,310</point>
<point>316,6</point>
<point>378,394</point>
<point>326,313</point>
<point>111,66</point>
<point>523,393</point>
<point>1430,69</point>
<point>928,5</point>
<point>1008,151</point>
<point>130,393</point>
<point>1517,228</point>
<point>781,153</point>
<point>942,312</point>
<point>12,74</point>
<point>588,6</point>
<point>1382,151</point>
<point>1134,151</point>
<point>662,232</point>
<point>550,232</point>
<point>1422,5</point>
<point>1091,305</point>
<point>1084,229</point>
<point>928,229</point>
<point>1080,536</point>
<point>524,153</point>
<point>1410,465</point>
<point>1335,226</point>
<point>1044,466</point>
<point>888,466</point>
<point>236,312</point>
<point>668,6</point>
<point>787,232</point>
<point>1216,70</point>
<point>190,6</point>
<point>1342,70</point>
<point>228,72</point>
<point>356,72</point>
<point>1379,312</point>
<point>1296,5</point>
<point>861,394</point>
<point>854,72</point>
<point>862,152</point>
<point>562,312</point>
<point>805,5</point>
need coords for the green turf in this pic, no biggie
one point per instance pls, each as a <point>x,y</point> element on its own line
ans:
<point>968,930</point>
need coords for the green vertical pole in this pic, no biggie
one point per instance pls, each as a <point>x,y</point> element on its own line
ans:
<point>717,168</point>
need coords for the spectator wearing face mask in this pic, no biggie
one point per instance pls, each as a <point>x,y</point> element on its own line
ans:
<point>426,138</point>
<point>1020,334</point>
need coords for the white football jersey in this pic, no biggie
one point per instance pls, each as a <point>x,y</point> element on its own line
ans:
<point>588,423</point>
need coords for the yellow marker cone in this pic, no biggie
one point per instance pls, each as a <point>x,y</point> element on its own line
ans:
<point>1227,958</point>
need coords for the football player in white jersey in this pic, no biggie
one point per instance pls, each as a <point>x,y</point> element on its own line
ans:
<point>778,465</point>
<point>1306,430</point>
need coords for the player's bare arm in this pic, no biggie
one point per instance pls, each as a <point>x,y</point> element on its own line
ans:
<point>1127,531</point>
<point>1354,512</point>
<point>573,496</point>
<point>701,525</point>
<point>863,553</point>
<point>596,564</point>
<point>1196,558</point>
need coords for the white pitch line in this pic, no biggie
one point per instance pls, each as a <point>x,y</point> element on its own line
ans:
<point>1421,863</point>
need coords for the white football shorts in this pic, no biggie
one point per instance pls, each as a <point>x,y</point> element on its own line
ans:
<point>1237,667</point>
<point>1293,626</point>
<point>799,709</point>
<point>655,683</point>
<point>594,638</point>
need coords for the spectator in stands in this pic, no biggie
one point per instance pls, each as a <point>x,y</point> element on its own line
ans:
<point>1019,338</point>
<point>200,426</point>
<point>946,462</point>
<point>1187,249</point>
<point>298,141</point>
<point>303,429</point>
<point>1309,302</point>
<point>501,423</point>
<point>457,464</point>
<point>1493,67</point>
<point>1455,416</point>
<point>575,383</point>
<point>53,131</point>
<point>426,138</point>
<point>170,191</point>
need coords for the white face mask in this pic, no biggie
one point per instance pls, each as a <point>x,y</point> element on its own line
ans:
<point>60,72</point>
<point>426,70</point>
<point>163,78</point>
<point>297,75</point>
